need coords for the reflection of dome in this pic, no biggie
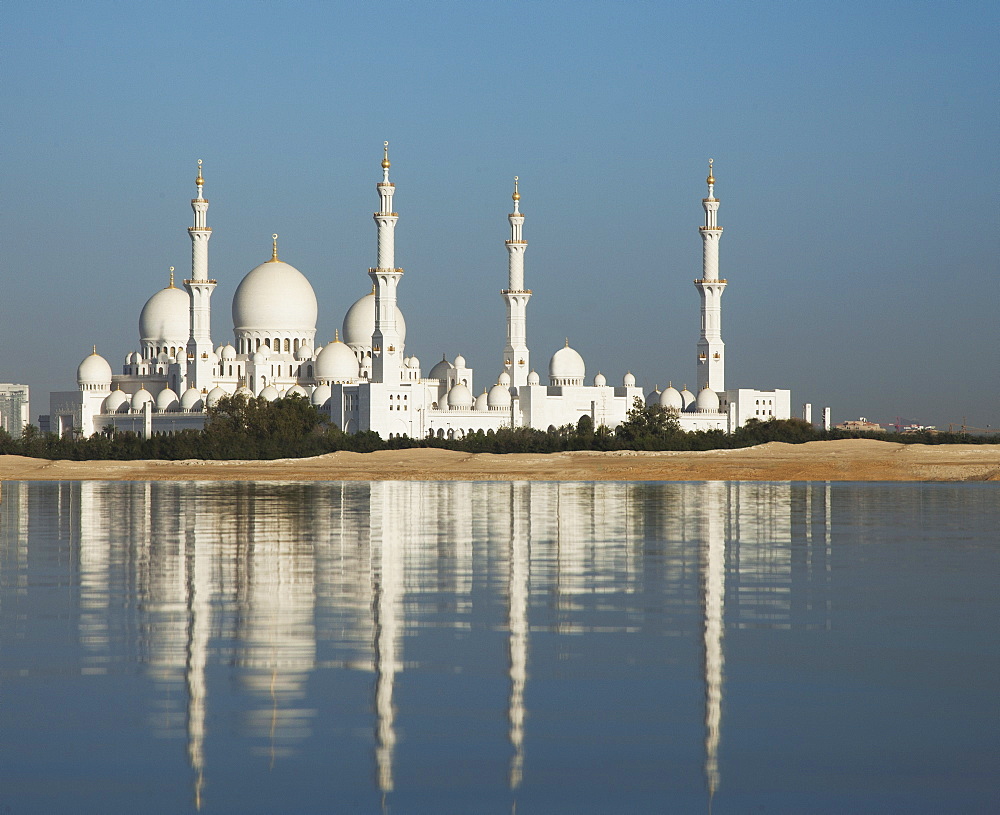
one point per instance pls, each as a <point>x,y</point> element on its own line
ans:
<point>191,400</point>
<point>275,297</point>
<point>337,363</point>
<point>115,401</point>
<point>460,397</point>
<point>440,371</point>
<point>359,322</point>
<point>708,401</point>
<point>671,398</point>
<point>566,367</point>
<point>166,400</point>
<point>94,372</point>
<point>166,317</point>
<point>498,398</point>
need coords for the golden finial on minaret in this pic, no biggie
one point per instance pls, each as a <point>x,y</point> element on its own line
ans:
<point>171,278</point>
<point>711,178</point>
<point>274,251</point>
<point>199,180</point>
<point>385,160</point>
<point>516,196</point>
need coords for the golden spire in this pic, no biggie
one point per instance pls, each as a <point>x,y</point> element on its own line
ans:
<point>171,278</point>
<point>567,342</point>
<point>274,251</point>
<point>95,349</point>
<point>385,160</point>
<point>199,180</point>
<point>711,178</point>
<point>336,335</point>
<point>516,196</point>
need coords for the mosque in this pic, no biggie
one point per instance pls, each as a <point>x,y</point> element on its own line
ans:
<point>364,379</point>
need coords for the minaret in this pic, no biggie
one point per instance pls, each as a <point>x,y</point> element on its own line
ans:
<point>199,348</point>
<point>387,352</point>
<point>711,348</point>
<point>515,353</point>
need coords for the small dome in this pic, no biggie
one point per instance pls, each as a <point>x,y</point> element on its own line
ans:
<point>414,363</point>
<point>688,398</point>
<point>482,401</point>
<point>260,357</point>
<point>213,397</point>
<point>534,378</point>
<point>167,400</point>
<point>359,322</point>
<point>337,363</point>
<point>708,401</point>
<point>94,371</point>
<point>227,353</point>
<point>191,400</point>
<point>499,397</point>
<point>628,380</point>
<point>653,397</point>
<point>671,398</point>
<point>163,358</point>
<point>270,393</point>
<point>303,352</point>
<point>504,379</point>
<point>460,397</point>
<point>166,317</point>
<point>297,390</point>
<point>141,397</point>
<point>275,297</point>
<point>115,401</point>
<point>244,391</point>
<point>600,380</point>
<point>567,367</point>
<point>317,351</point>
<point>321,395</point>
<point>440,371</point>
<point>459,361</point>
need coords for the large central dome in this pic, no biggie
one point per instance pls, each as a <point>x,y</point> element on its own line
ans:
<point>275,297</point>
<point>359,322</point>
<point>166,317</point>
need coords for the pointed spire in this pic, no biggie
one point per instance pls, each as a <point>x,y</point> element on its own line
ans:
<point>711,178</point>
<point>386,164</point>
<point>171,278</point>
<point>516,197</point>
<point>274,251</point>
<point>199,180</point>
<point>336,335</point>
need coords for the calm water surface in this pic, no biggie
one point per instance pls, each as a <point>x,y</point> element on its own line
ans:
<point>496,648</point>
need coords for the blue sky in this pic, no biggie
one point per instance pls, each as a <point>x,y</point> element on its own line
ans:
<point>854,146</point>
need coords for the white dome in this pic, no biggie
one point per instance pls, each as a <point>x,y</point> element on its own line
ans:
<point>688,398</point>
<point>413,363</point>
<point>163,358</point>
<point>167,400</point>
<point>244,391</point>
<point>191,400</point>
<point>166,317</point>
<point>499,397</point>
<point>303,352</point>
<point>482,401</point>
<point>270,393</point>
<point>337,363</point>
<point>297,390</point>
<point>214,396</point>
<point>321,395</point>
<point>460,396</point>
<point>567,367</point>
<point>115,401</point>
<point>653,397</point>
<point>459,361</point>
<point>628,380</point>
<point>600,380</point>
<point>534,378</point>
<point>275,297</point>
<point>141,397</point>
<point>671,398</point>
<point>260,357</point>
<point>440,371</point>
<point>227,353</point>
<point>94,371</point>
<point>504,379</point>
<point>359,322</point>
<point>708,401</point>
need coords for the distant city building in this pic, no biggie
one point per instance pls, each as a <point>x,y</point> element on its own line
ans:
<point>861,425</point>
<point>15,412</point>
<point>363,379</point>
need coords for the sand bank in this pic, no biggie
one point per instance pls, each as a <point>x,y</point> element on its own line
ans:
<point>847,460</point>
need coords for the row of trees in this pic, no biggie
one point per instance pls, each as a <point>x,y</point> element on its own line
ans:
<point>241,428</point>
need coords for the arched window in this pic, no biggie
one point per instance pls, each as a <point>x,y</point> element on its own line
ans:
<point>310,371</point>
<point>288,345</point>
<point>295,346</point>
<point>230,370</point>
<point>258,344</point>
<point>267,341</point>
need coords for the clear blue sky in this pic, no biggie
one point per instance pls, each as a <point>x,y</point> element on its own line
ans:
<point>855,148</point>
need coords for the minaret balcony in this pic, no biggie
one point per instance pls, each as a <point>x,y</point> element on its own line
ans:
<point>710,228</point>
<point>521,242</point>
<point>702,280</point>
<point>515,291</point>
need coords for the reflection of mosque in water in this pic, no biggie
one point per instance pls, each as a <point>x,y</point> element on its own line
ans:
<point>261,577</point>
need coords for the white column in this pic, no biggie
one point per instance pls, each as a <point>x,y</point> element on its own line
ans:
<point>516,360</point>
<point>387,350</point>
<point>199,348</point>
<point>711,348</point>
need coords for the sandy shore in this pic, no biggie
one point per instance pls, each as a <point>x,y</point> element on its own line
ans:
<point>848,460</point>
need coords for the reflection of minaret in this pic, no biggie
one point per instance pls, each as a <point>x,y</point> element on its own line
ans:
<point>199,590</point>
<point>387,589</point>
<point>517,621</point>
<point>713,585</point>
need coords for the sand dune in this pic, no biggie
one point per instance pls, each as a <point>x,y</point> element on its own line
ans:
<point>847,460</point>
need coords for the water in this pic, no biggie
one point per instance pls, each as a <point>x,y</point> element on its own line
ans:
<point>527,647</point>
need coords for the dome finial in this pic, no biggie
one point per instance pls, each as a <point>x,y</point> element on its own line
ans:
<point>711,178</point>
<point>516,197</point>
<point>336,335</point>
<point>274,251</point>
<point>567,342</point>
<point>95,349</point>
<point>171,277</point>
<point>199,180</point>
